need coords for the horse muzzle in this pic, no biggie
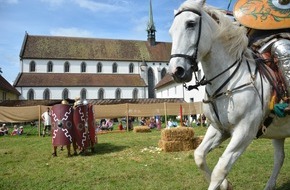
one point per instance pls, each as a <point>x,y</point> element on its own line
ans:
<point>180,70</point>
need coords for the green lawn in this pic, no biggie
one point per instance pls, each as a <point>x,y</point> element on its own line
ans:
<point>127,161</point>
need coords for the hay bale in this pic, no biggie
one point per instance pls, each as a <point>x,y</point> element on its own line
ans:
<point>142,129</point>
<point>197,141</point>
<point>175,146</point>
<point>177,134</point>
<point>177,139</point>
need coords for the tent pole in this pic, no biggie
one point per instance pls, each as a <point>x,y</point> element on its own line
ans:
<point>165,112</point>
<point>127,123</point>
<point>39,123</point>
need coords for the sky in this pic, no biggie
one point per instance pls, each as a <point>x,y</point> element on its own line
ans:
<point>109,19</point>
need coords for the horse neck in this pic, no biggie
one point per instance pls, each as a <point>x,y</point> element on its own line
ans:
<point>218,59</point>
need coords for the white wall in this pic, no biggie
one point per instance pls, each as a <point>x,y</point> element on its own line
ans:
<point>91,67</point>
<point>92,92</point>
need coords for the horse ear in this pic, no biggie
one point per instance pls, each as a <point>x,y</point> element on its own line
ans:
<point>175,11</point>
<point>201,2</point>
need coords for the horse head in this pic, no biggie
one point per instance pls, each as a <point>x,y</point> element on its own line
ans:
<point>197,32</point>
<point>186,33</point>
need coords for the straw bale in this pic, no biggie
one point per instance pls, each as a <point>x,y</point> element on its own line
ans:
<point>177,134</point>
<point>175,146</point>
<point>141,129</point>
<point>197,141</point>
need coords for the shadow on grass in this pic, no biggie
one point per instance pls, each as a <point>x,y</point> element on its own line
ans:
<point>104,148</point>
<point>285,186</point>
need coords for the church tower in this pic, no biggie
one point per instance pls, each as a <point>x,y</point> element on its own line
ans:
<point>151,28</point>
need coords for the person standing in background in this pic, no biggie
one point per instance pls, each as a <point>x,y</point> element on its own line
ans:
<point>46,116</point>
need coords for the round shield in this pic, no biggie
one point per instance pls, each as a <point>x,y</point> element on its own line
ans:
<point>263,14</point>
<point>62,124</point>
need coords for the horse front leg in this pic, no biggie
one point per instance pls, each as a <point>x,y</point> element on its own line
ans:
<point>241,138</point>
<point>212,139</point>
<point>279,156</point>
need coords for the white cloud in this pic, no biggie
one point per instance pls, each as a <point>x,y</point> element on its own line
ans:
<point>54,3</point>
<point>9,1</point>
<point>72,32</point>
<point>104,7</point>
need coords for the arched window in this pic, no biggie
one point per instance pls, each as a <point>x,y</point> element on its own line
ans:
<point>118,94</point>
<point>101,94</point>
<point>99,67</point>
<point>115,68</point>
<point>83,94</point>
<point>131,68</point>
<point>32,66</point>
<point>163,73</point>
<point>46,94</point>
<point>83,67</point>
<point>65,94</point>
<point>66,67</point>
<point>49,67</point>
<point>151,83</point>
<point>30,94</point>
<point>135,93</point>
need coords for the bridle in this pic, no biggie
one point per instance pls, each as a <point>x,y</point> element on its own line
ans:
<point>192,58</point>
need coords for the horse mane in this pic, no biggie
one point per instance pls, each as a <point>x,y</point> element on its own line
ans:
<point>231,35</point>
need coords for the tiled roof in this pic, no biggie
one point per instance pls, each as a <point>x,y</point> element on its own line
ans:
<point>136,101</point>
<point>166,80</point>
<point>6,86</point>
<point>78,79</point>
<point>75,48</point>
<point>21,103</point>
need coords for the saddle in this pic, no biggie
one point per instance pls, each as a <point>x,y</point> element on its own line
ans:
<point>262,49</point>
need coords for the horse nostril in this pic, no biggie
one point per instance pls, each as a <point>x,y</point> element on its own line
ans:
<point>179,72</point>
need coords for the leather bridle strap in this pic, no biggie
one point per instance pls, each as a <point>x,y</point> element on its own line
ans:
<point>191,58</point>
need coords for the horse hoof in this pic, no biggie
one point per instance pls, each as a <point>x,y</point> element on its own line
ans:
<point>54,155</point>
<point>230,187</point>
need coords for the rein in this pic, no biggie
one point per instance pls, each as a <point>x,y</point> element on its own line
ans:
<point>192,58</point>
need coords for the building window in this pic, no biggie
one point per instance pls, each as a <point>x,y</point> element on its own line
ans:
<point>46,94</point>
<point>131,68</point>
<point>101,94</point>
<point>65,94</point>
<point>83,67</point>
<point>49,67</point>
<point>115,68</point>
<point>4,94</point>
<point>30,94</point>
<point>83,94</point>
<point>118,94</point>
<point>135,93</point>
<point>99,67</point>
<point>32,66</point>
<point>151,83</point>
<point>66,67</point>
<point>163,73</point>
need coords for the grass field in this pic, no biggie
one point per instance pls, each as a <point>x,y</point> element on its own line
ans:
<point>127,161</point>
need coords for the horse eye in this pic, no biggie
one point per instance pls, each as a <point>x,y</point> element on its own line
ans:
<point>190,24</point>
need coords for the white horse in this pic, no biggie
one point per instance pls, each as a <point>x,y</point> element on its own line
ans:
<point>237,94</point>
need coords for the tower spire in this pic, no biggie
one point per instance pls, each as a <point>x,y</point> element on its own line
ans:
<point>151,27</point>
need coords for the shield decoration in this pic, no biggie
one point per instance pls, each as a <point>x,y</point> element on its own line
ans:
<point>81,126</point>
<point>62,124</point>
<point>263,14</point>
